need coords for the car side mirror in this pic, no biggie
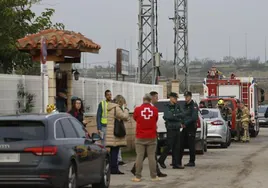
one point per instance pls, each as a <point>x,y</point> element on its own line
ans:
<point>95,137</point>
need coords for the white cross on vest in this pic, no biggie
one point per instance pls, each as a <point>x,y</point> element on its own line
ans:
<point>147,113</point>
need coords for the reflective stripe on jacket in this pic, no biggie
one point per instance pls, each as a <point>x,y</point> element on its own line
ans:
<point>104,105</point>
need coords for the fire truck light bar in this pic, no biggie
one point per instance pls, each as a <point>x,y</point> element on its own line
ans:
<point>232,96</point>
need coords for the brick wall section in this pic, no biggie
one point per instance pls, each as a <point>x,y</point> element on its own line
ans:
<point>130,129</point>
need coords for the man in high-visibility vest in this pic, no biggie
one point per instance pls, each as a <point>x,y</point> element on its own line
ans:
<point>102,115</point>
<point>245,118</point>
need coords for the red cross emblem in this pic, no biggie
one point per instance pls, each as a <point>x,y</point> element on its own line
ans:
<point>147,113</point>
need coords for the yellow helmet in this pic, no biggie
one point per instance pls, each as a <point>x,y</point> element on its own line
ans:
<point>220,102</point>
<point>51,108</point>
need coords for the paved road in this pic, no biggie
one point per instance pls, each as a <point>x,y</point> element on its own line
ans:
<point>239,166</point>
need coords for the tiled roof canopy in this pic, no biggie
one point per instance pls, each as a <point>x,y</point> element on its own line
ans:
<point>58,40</point>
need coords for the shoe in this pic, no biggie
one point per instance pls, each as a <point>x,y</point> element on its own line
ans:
<point>118,173</point>
<point>178,167</point>
<point>121,163</point>
<point>136,179</point>
<point>156,179</point>
<point>190,164</point>
<point>162,165</point>
<point>133,171</point>
<point>161,175</point>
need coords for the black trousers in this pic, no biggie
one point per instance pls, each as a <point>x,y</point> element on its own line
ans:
<point>173,143</point>
<point>188,138</point>
<point>145,156</point>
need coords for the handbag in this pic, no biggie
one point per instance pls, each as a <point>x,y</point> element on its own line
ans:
<point>119,127</point>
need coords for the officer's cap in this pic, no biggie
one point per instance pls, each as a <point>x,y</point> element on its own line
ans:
<point>173,94</point>
<point>187,93</point>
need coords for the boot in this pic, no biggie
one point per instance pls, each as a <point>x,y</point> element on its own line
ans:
<point>244,137</point>
<point>248,137</point>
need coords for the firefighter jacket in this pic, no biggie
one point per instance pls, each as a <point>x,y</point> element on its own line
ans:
<point>226,112</point>
<point>191,115</point>
<point>238,115</point>
<point>245,114</point>
<point>173,116</point>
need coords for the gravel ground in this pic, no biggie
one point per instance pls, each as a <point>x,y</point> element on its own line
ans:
<point>239,166</point>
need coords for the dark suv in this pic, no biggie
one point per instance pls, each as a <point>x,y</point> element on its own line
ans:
<point>53,150</point>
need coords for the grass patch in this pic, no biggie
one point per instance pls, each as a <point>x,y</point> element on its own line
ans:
<point>128,154</point>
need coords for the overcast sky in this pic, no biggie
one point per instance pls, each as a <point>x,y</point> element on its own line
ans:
<point>113,24</point>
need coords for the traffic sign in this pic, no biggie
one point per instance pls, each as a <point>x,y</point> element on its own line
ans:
<point>43,55</point>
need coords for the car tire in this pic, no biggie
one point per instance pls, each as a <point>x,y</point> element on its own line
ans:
<point>206,146</point>
<point>202,151</point>
<point>253,134</point>
<point>106,176</point>
<point>71,178</point>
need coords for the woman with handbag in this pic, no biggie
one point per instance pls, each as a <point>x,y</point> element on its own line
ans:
<point>116,132</point>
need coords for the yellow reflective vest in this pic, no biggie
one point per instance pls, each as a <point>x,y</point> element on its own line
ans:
<point>104,105</point>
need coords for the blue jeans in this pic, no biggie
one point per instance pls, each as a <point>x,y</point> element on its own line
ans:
<point>114,160</point>
<point>103,141</point>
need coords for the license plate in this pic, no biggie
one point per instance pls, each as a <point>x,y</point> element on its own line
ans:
<point>261,120</point>
<point>9,158</point>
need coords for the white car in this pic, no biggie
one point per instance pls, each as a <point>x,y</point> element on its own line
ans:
<point>218,129</point>
<point>201,133</point>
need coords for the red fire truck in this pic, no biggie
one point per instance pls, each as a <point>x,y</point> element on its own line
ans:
<point>216,86</point>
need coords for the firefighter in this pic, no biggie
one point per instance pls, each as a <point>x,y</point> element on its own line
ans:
<point>225,110</point>
<point>238,121</point>
<point>245,122</point>
<point>202,104</point>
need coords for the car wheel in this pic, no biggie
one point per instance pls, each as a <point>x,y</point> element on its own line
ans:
<point>202,150</point>
<point>225,145</point>
<point>206,146</point>
<point>106,176</point>
<point>71,179</point>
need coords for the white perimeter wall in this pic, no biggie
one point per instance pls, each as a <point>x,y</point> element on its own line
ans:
<point>90,90</point>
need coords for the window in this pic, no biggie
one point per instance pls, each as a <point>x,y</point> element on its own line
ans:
<point>209,114</point>
<point>21,130</point>
<point>68,129</point>
<point>78,127</point>
<point>59,130</point>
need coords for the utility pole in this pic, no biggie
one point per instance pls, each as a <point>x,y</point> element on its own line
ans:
<point>229,47</point>
<point>147,42</point>
<point>181,59</point>
<point>246,46</point>
<point>265,55</point>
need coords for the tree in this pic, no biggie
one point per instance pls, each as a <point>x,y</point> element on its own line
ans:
<point>16,21</point>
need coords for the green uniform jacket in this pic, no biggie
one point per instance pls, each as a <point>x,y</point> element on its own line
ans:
<point>190,115</point>
<point>173,116</point>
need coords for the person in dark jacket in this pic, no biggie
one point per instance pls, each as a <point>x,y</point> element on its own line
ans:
<point>189,128</point>
<point>77,111</point>
<point>173,120</point>
<point>61,100</point>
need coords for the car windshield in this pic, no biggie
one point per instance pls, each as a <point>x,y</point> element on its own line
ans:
<point>209,114</point>
<point>21,130</point>
<point>213,103</point>
<point>161,105</point>
<point>262,109</point>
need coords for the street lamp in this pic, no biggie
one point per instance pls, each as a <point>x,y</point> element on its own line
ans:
<point>76,75</point>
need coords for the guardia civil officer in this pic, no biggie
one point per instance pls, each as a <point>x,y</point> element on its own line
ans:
<point>173,119</point>
<point>189,128</point>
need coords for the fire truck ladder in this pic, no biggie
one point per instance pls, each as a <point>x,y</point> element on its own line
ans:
<point>245,92</point>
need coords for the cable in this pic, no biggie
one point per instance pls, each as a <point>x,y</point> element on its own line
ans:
<point>156,25</point>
